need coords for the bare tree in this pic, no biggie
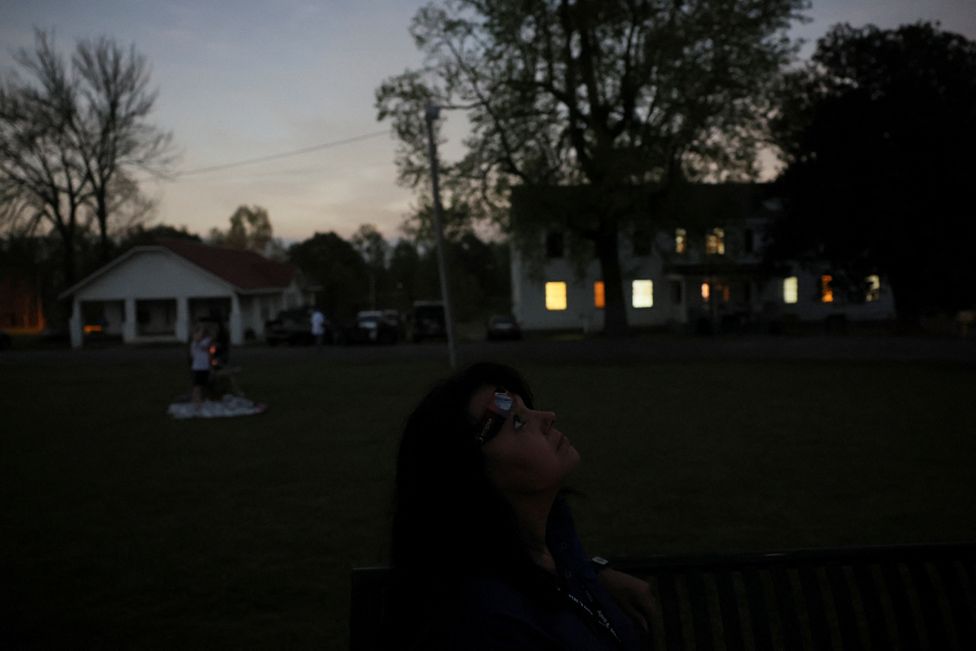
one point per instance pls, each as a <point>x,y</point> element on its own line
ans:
<point>72,135</point>
<point>42,174</point>
<point>112,131</point>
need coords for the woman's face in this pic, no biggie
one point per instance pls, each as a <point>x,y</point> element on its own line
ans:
<point>528,455</point>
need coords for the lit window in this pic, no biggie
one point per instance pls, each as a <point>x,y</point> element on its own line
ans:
<point>706,291</point>
<point>643,293</point>
<point>873,292</point>
<point>556,296</point>
<point>791,287</point>
<point>715,242</point>
<point>826,291</point>
<point>680,240</point>
<point>599,297</point>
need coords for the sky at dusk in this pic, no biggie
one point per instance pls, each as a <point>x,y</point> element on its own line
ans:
<point>247,79</point>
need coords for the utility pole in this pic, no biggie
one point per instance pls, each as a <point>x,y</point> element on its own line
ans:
<point>432,113</point>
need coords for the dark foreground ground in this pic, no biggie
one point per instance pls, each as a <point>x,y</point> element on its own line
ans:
<point>121,528</point>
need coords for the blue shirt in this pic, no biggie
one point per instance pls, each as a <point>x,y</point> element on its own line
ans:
<point>492,614</point>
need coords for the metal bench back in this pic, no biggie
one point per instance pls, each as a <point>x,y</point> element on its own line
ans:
<point>882,598</point>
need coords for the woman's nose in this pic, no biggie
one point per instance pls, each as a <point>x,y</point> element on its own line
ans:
<point>548,419</point>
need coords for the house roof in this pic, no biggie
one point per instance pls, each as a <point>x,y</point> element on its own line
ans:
<point>687,204</point>
<point>242,269</point>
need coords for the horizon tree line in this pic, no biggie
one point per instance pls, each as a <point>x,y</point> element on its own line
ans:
<point>624,102</point>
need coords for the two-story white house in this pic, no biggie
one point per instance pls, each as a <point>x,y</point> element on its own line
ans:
<point>704,272</point>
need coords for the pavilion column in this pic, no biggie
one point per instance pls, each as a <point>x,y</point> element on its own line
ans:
<point>182,318</point>
<point>75,325</point>
<point>129,323</point>
<point>683,283</point>
<point>236,322</point>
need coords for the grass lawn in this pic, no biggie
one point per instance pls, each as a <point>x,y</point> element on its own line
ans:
<point>123,528</point>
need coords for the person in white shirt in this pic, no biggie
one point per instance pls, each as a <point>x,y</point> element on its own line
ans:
<point>318,326</point>
<point>200,362</point>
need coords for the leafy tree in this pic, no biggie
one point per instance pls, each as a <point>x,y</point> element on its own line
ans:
<point>406,275</point>
<point>71,136</point>
<point>480,281</point>
<point>608,94</point>
<point>142,235</point>
<point>339,270</point>
<point>877,133</point>
<point>371,245</point>
<point>250,229</point>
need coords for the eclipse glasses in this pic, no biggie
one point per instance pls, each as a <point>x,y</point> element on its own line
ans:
<point>495,416</point>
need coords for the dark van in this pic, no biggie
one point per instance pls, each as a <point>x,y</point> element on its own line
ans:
<point>426,320</point>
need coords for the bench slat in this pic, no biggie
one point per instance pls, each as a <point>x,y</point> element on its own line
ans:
<point>758,610</point>
<point>701,618</point>
<point>928,601</point>
<point>729,612</point>
<point>847,616</point>
<point>895,589</point>
<point>673,634</point>
<point>874,615</point>
<point>813,599</point>
<point>789,618</point>
<point>963,617</point>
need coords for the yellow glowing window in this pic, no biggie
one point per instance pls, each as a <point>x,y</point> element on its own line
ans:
<point>826,291</point>
<point>791,287</point>
<point>642,293</point>
<point>680,240</point>
<point>599,297</point>
<point>706,291</point>
<point>873,293</point>
<point>715,242</point>
<point>556,296</point>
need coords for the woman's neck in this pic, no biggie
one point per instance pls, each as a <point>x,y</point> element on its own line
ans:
<point>533,514</point>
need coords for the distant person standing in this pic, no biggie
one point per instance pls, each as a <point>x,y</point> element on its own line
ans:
<point>200,363</point>
<point>318,326</point>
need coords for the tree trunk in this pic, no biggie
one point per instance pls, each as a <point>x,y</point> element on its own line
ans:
<point>68,257</point>
<point>101,212</point>
<point>615,307</point>
<point>906,292</point>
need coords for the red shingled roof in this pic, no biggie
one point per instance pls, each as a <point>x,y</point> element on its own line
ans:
<point>242,269</point>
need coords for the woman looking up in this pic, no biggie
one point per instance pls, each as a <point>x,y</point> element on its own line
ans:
<point>485,554</point>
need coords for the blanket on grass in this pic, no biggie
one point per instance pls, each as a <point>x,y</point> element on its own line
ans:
<point>229,405</point>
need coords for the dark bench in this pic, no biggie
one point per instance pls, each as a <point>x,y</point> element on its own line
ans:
<point>881,598</point>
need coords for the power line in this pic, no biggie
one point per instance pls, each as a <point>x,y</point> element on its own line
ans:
<point>296,152</point>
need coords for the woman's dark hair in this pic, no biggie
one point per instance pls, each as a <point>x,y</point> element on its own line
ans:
<point>444,504</point>
<point>449,521</point>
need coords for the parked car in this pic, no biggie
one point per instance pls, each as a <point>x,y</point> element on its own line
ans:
<point>294,327</point>
<point>503,326</point>
<point>426,320</point>
<point>372,327</point>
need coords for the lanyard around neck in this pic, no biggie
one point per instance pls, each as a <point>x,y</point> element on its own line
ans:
<point>591,611</point>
